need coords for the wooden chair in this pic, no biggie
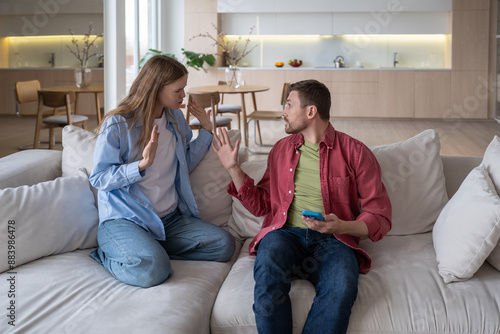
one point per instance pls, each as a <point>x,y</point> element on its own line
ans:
<point>26,97</point>
<point>207,100</point>
<point>229,108</point>
<point>26,92</point>
<point>266,115</point>
<point>56,100</point>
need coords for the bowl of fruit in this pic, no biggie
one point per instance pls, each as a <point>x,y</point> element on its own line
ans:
<point>295,63</point>
<point>279,64</point>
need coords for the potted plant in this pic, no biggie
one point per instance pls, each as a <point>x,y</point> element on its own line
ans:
<point>191,59</point>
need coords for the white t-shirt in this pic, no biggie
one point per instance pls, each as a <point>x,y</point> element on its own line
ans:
<point>158,181</point>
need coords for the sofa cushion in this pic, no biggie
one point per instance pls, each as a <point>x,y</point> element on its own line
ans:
<point>48,218</point>
<point>78,150</point>
<point>491,161</point>
<point>29,167</point>
<point>209,181</point>
<point>412,172</point>
<point>72,293</point>
<point>402,293</point>
<point>245,224</point>
<point>468,228</point>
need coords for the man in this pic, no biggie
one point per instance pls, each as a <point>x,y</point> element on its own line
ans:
<point>316,168</point>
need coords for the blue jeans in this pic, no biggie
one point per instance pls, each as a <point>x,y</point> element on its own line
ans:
<point>294,253</point>
<point>134,257</point>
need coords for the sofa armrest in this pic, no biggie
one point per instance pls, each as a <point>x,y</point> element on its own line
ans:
<point>456,168</point>
<point>29,167</point>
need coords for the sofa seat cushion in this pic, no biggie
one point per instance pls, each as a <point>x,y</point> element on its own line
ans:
<point>403,293</point>
<point>72,293</point>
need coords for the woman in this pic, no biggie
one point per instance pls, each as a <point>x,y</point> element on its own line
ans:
<point>142,160</point>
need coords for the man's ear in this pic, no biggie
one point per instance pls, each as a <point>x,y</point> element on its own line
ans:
<point>311,111</point>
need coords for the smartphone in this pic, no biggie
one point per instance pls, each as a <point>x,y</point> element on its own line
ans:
<point>313,215</point>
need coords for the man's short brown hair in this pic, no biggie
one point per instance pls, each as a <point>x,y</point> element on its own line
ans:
<point>314,93</point>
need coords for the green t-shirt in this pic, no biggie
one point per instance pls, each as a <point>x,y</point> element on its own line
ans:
<point>307,194</point>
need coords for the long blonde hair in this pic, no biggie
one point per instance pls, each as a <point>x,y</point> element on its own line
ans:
<point>139,105</point>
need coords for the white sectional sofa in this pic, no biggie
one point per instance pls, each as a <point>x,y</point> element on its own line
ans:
<point>49,284</point>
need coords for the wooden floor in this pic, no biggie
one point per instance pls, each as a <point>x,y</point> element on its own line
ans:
<point>458,137</point>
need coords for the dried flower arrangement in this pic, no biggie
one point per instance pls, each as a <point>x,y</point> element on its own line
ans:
<point>89,41</point>
<point>230,50</point>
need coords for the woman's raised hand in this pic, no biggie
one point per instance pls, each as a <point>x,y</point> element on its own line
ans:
<point>149,152</point>
<point>202,115</point>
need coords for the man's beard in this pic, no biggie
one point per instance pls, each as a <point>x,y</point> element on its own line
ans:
<point>294,129</point>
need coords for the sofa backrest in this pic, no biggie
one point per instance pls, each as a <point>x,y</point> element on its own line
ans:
<point>29,167</point>
<point>456,168</point>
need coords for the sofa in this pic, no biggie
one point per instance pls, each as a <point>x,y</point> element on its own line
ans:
<point>437,271</point>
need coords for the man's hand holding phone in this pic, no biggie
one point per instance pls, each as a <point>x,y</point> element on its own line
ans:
<point>313,215</point>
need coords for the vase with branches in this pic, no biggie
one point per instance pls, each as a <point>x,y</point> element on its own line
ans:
<point>232,51</point>
<point>83,54</point>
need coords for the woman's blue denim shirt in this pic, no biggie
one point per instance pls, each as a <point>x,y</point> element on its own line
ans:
<point>116,176</point>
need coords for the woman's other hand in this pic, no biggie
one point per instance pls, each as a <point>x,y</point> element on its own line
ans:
<point>202,115</point>
<point>149,152</point>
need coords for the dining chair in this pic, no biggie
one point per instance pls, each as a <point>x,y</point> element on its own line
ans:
<point>229,108</point>
<point>26,97</point>
<point>267,115</point>
<point>207,100</point>
<point>56,100</point>
<point>26,92</point>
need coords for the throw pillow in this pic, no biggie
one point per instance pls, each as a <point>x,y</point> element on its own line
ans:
<point>468,228</point>
<point>245,224</point>
<point>412,172</point>
<point>78,150</point>
<point>48,218</point>
<point>209,181</point>
<point>491,161</point>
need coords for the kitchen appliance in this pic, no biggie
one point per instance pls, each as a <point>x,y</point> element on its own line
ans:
<point>339,62</point>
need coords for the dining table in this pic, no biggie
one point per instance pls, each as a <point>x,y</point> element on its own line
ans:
<point>95,89</point>
<point>242,90</point>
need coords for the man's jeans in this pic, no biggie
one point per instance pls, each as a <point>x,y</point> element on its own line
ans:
<point>291,253</point>
<point>134,257</point>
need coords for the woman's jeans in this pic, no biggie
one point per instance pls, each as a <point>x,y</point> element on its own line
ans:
<point>295,253</point>
<point>134,257</point>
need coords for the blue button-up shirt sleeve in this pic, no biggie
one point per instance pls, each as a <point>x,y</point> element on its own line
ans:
<point>110,171</point>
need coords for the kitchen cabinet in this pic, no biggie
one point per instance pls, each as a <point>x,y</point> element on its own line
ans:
<point>470,40</point>
<point>469,95</point>
<point>274,6</point>
<point>470,5</point>
<point>325,17</point>
<point>354,93</point>
<point>432,94</point>
<point>391,5</point>
<point>277,24</point>
<point>375,23</point>
<point>371,93</point>
<point>320,6</point>
<point>396,94</point>
<point>327,23</point>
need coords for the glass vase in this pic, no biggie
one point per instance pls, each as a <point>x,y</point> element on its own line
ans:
<point>233,76</point>
<point>83,76</point>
